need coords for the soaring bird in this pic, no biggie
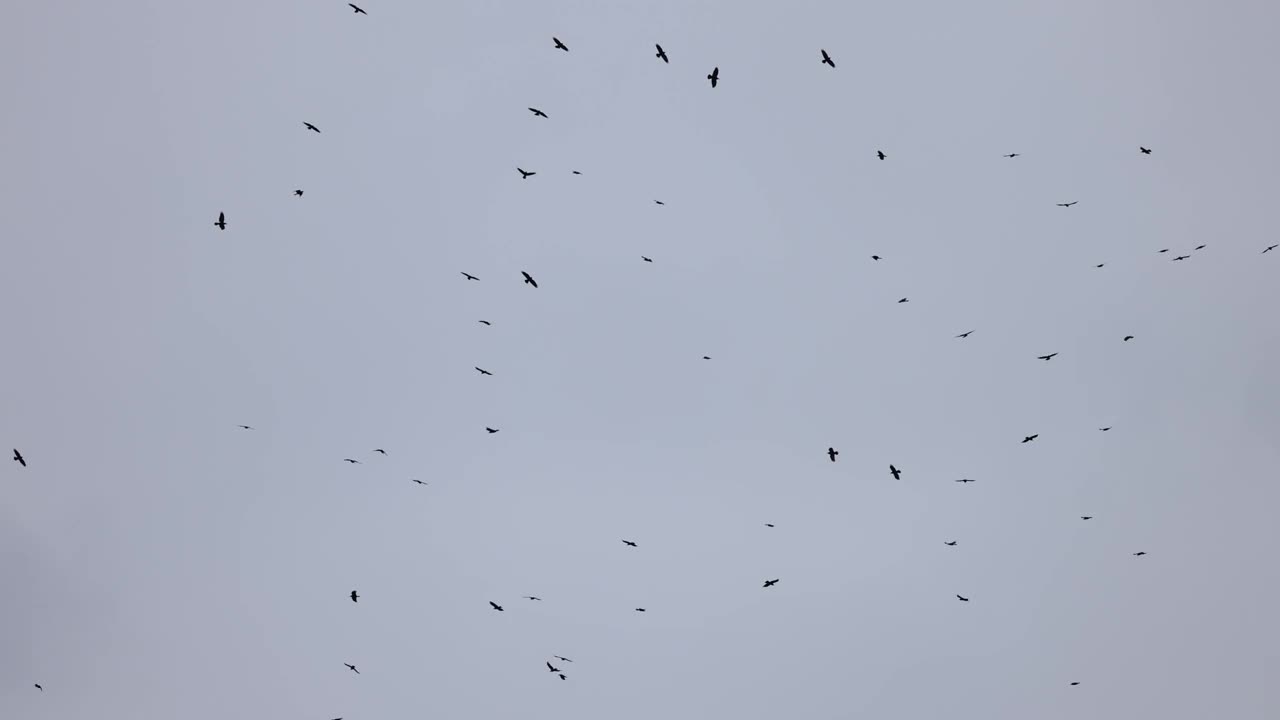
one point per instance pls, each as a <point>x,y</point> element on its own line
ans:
<point>352,668</point>
<point>880,154</point>
<point>353,462</point>
<point>895,472</point>
<point>706,357</point>
<point>768,524</point>
<point>528,279</point>
<point>965,480</point>
<point>537,112</point>
<point>482,371</point>
<point>658,202</point>
<point>646,259</point>
<point>38,687</point>
<point>902,301</point>
<point>1075,683</point>
<point>1140,554</point>
<point>1181,257</point>
<point>714,77</point>
<point>629,543</point>
<point>832,453</point>
<point>298,193</point>
<point>1099,264</point>
<point>826,59</point>
<point>1199,247</point>
<point>244,427</point>
<point>875,257</point>
<point>1086,517</point>
<point>532,597</point>
<point>1105,428</point>
<point>965,334</point>
<point>963,598</point>
<point>662,54</point>
<point>562,676</point>
<point>1013,155</point>
<point>1270,248</point>
<point>355,597</point>
<point>1050,356</point>
<point>525,175</point>
<point>575,172</point>
<point>491,430</point>
<point>484,322</point>
<point>1073,202</point>
<point>415,480</point>
<point>770,583</point>
<point>496,606</point>
<point>469,276</point>
<point>380,450</point>
<point>222,221</point>
<point>17,457</point>
<point>560,45</point>
<point>952,543</point>
<point>1127,338</point>
<point>1162,251</point>
<point>311,127</point>
<point>358,9</point>
<point>640,610</point>
<point>1145,151</point>
<point>553,668</point>
<point>561,659</point>
<point>1029,438</point>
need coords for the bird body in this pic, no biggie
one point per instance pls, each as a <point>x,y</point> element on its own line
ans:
<point>298,193</point>
<point>770,583</point>
<point>952,543</point>
<point>714,77</point>
<point>629,543</point>
<point>491,430</point>
<point>832,453</point>
<point>415,480</point>
<point>221,224</point>
<point>532,597</point>
<point>524,175</point>
<point>826,59</point>
<point>1029,438</point>
<point>895,472</point>
<point>1144,151</point>
<point>311,127</point>
<point>1086,517</point>
<point>380,450</point>
<point>537,112</point>
<point>17,457</point>
<point>1073,202</point>
<point>470,277</point>
<point>496,606</point>
<point>352,668</point>
<point>965,480</point>
<point>355,597</point>
<point>880,155</point>
<point>963,598</point>
<point>353,462</point>
<point>560,45</point>
<point>1048,357</point>
<point>528,279</point>
<point>1269,249</point>
<point>358,9</point>
<point>662,54</point>
<point>482,371</point>
<point>965,334</point>
<point>1013,155</point>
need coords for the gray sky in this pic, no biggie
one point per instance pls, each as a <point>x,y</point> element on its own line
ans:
<point>160,563</point>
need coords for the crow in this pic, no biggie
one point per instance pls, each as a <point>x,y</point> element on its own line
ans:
<point>1163,251</point>
<point>38,687</point>
<point>662,54</point>
<point>1199,247</point>
<point>1270,248</point>
<point>965,480</point>
<point>561,659</point>
<point>658,202</point>
<point>491,430</point>
<point>353,462</point>
<point>311,127</point>
<point>528,279</point>
<point>380,450</point>
<point>1099,264</point>
<point>1086,517</point>
<point>1029,438</point>
<point>706,357</point>
<point>525,175</point>
<point>832,453</point>
<point>482,371</point>
<point>222,221</point>
<point>646,259</point>
<point>352,667</point>
<point>902,301</point>
<point>875,257</point>
<point>640,610</point>
<point>415,480</point>
<point>496,606</point>
<point>768,524</point>
<point>1140,554</point>
<point>714,77</point>
<point>1073,202</point>
<point>484,322</point>
<point>532,597</point>
<point>1013,155</point>
<point>1144,151</point>
<point>1046,357</point>
<point>1075,683</point>
<point>952,543</point>
<point>629,543</point>
<point>537,112</point>
<point>575,172</point>
<point>1105,428</point>
<point>880,154</point>
<point>355,597</point>
<point>895,472</point>
<point>17,457</point>
<point>826,59</point>
<point>298,193</point>
<point>560,45</point>
<point>358,9</point>
<point>965,334</point>
<point>553,668</point>
<point>963,598</point>
<point>770,583</point>
<point>1127,338</point>
<point>470,277</point>
<point>244,427</point>
<point>1181,257</point>
<point>562,677</point>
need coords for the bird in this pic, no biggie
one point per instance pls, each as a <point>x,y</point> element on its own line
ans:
<point>553,668</point>
<point>768,524</point>
<point>222,221</point>
<point>1073,202</point>
<point>244,427</point>
<point>952,543</point>
<point>963,598</point>
<point>358,9</point>
<point>1048,357</point>
<point>1029,438</point>
<point>352,667</point>
<point>629,543</point>
<point>714,77</point>
<point>826,59</point>
<point>575,172</point>
<point>496,606</point>
<point>902,301</point>
<point>706,357</point>
<point>380,450</point>
<point>561,659</point>
<point>1144,151</point>
<point>965,334</point>
<point>562,677</point>
<point>1127,338</point>
<point>1140,553</point>
<point>662,54</point>
<point>1099,264</point>
<point>525,175</point>
<point>491,430</point>
<point>640,609</point>
<point>1075,683</point>
<point>537,112</point>
<point>1181,257</point>
<point>38,687</point>
<point>17,457</point>
<point>1105,428</point>
<point>965,480</point>
<point>880,154</point>
<point>560,45</point>
<point>484,322</point>
<point>532,597</point>
<point>1270,248</point>
<point>895,472</point>
<point>528,279</point>
<point>658,202</point>
<point>1013,155</point>
<point>298,193</point>
<point>1086,517</point>
<point>770,583</point>
<point>1163,251</point>
<point>832,453</point>
<point>355,597</point>
<point>415,480</point>
<point>646,259</point>
<point>1199,247</point>
<point>482,371</point>
<point>353,462</point>
<point>875,257</point>
<point>470,277</point>
<point>311,127</point>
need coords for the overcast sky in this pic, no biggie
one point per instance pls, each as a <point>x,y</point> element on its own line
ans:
<point>160,563</point>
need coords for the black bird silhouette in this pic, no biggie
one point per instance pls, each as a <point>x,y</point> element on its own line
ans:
<point>553,668</point>
<point>1144,151</point>
<point>965,480</point>
<point>706,357</point>
<point>1099,264</point>
<point>832,453</point>
<point>17,457</point>
<point>1086,517</point>
<point>415,480</point>
<point>222,221</point>
<point>628,542</point>
<point>39,688</point>
<point>963,598</point>
<point>355,597</point>
<point>532,597</point>
<point>525,175</point>
<point>875,257</point>
<point>470,277</point>
<point>827,59</point>
<point>244,427</point>
<point>1050,356</point>
<point>1013,155</point>
<point>770,583</point>
<point>528,279</point>
<point>880,154</point>
<point>1075,683</point>
<point>640,610</point>
<point>953,542</point>
<point>1073,202</point>
<point>895,472</point>
<point>537,112</point>
<point>311,127</point>
<point>965,334</point>
<point>491,430</point>
<point>561,659</point>
<point>575,172</point>
<point>560,45</point>
<point>1163,251</point>
<point>482,371</point>
<point>359,10</point>
<point>562,677</point>
<point>380,450</point>
<point>1270,248</point>
<point>298,193</point>
<point>1199,247</point>
<point>645,259</point>
<point>714,77</point>
<point>662,54</point>
<point>768,524</point>
<point>353,462</point>
<point>352,668</point>
<point>484,322</point>
<point>1127,338</point>
<point>1029,438</point>
<point>902,301</point>
<point>496,606</point>
<point>1105,428</point>
<point>1181,257</point>
<point>658,202</point>
<point>1140,554</point>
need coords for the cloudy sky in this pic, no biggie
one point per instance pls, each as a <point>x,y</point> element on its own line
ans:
<point>159,562</point>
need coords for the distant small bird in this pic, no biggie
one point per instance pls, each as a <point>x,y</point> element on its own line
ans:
<point>560,45</point>
<point>658,202</point>
<point>965,480</point>
<point>359,11</point>
<point>38,687</point>
<point>528,279</point>
<point>470,277</point>
<point>1140,554</point>
<point>1075,683</point>
<point>1050,356</point>
<point>1144,151</point>
<point>902,301</point>
<point>380,450</point>
<point>496,606</point>
<point>1181,257</point>
<point>561,659</point>
<point>640,610</point>
<point>553,668</point>
<point>706,357</point>
<point>1127,338</point>
<point>1163,251</point>
<point>880,155</point>
<point>875,257</point>
<point>770,583</point>
<point>1099,264</point>
<point>832,453</point>
<point>491,430</point>
<point>484,322</point>
<point>355,597</point>
<point>311,127</point>
<point>1029,438</point>
<point>562,676</point>
<point>826,59</point>
<point>221,224</point>
<point>353,462</point>
<point>662,54</point>
<point>352,668</point>
<point>1105,428</point>
<point>575,172</point>
<point>768,524</point>
<point>532,597</point>
<point>965,334</point>
<point>415,480</point>
<point>482,371</point>
<point>629,543</point>
<point>537,112</point>
<point>895,472</point>
<point>244,427</point>
<point>963,598</point>
<point>1270,248</point>
<point>952,543</point>
<point>714,77</point>
<point>645,259</point>
<point>1013,155</point>
<point>1073,202</point>
<point>1199,247</point>
<point>1086,517</point>
<point>298,193</point>
<point>525,175</point>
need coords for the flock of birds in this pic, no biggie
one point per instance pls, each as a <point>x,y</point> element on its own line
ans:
<point>832,453</point>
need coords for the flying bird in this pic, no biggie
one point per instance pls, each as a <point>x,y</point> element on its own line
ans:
<point>244,427</point>
<point>768,524</point>
<point>965,480</point>
<point>880,154</point>
<point>1163,251</point>
<point>355,597</point>
<point>965,334</point>
<point>17,457</point>
<point>963,598</point>
<point>553,668</point>
<point>1086,517</point>
<point>525,175</point>
<point>560,45</point>
<point>706,357</point>
<point>826,59</point>
<point>902,301</point>
<point>629,543</point>
<point>1099,264</point>
<point>1145,151</point>
<point>532,597</point>
<point>38,687</point>
<point>1181,257</point>
<point>561,659</point>
<point>298,193</point>
<point>646,259</point>
<point>537,112</point>
<point>832,453</point>
<point>1013,155</point>
<point>714,77</point>
<point>1270,248</point>
<point>311,127</point>
<point>491,430</point>
<point>1105,428</point>
<point>528,279</point>
<point>658,202</point>
<point>1199,247</point>
<point>1073,202</point>
<point>895,472</point>
<point>482,371</point>
<point>1029,438</point>
<point>353,462</point>
<point>1140,554</point>
<point>662,54</point>
<point>415,480</point>
<point>496,606</point>
<point>1075,683</point>
<point>575,172</point>
<point>640,610</point>
<point>875,257</point>
<point>484,322</point>
<point>562,677</point>
<point>352,668</point>
<point>770,583</point>
<point>358,9</point>
<point>1127,338</point>
<point>380,450</point>
<point>222,221</point>
<point>952,543</point>
<point>470,277</point>
<point>1050,356</point>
